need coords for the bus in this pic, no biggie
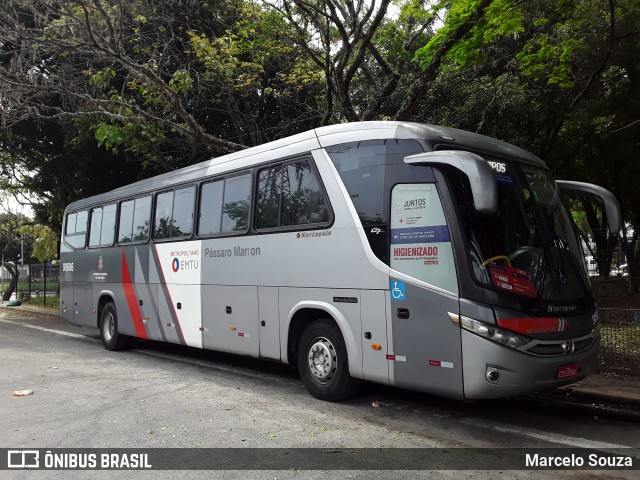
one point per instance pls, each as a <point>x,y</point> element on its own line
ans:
<point>406,254</point>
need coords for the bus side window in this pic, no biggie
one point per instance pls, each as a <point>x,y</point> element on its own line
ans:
<point>103,222</point>
<point>210,208</point>
<point>141,219</point>
<point>76,229</point>
<point>290,195</point>
<point>96,226</point>
<point>134,220</point>
<point>125,228</point>
<point>224,205</point>
<point>235,208</point>
<point>268,197</point>
<point>302,198</point>
<point>174,213</point>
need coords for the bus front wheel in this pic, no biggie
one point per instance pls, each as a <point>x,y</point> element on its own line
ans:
<point>323,364</point>
<point>111,339</point>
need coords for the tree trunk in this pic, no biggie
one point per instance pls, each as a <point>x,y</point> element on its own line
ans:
<point>13,285</point>
<point>632,252</point>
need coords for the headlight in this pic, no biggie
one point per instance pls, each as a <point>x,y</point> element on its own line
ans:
<point>495,334</point>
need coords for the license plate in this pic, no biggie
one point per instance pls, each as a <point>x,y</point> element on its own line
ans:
<point>568,371</point>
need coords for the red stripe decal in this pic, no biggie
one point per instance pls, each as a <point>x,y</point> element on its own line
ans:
<point>391,357</point>
<point>435,363</point>
<point>132,301</point>
<point>534,325</point>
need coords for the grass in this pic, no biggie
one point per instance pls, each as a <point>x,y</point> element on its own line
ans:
<point>52,285</point>
<point>53,302</point>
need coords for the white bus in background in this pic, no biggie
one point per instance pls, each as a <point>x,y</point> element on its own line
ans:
<point>405,254</point>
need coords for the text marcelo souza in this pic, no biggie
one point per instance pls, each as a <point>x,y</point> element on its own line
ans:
<point>577,461</point>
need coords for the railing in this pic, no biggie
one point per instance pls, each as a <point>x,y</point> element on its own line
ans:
<point>38,284</point>
<point>619,326</point>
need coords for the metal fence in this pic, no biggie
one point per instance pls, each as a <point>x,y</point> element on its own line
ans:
<point>619,326</point>
<point>38,284</point>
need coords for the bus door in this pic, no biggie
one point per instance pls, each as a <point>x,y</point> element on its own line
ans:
<point>423,290</point>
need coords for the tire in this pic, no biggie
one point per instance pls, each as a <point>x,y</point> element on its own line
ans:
<point>323,364</point>
<point>111,338</point>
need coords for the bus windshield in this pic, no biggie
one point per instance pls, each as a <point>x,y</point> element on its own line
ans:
<point>529,247</point>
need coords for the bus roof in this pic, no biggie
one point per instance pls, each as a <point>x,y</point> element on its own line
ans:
<point>438,136</point>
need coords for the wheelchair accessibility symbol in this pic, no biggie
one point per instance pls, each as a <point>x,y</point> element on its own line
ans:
<point>397,290</point>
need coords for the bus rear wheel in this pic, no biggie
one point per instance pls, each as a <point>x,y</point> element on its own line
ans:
<point>111,339</point>
<point>323,364</point>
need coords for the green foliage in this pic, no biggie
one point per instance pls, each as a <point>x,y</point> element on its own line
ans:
<point>103,78</point>
<point>45,245</point>
<point>545,59</point>
<point>501,18</point>
<point>181,82</point>
<point>110,136</point>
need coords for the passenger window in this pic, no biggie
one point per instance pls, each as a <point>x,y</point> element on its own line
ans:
<point>303,200</point>
<point>174,213</point>
<point>290,195</point>
<point>224,206</point>
<point>235,209</point>
<point>210,208</point>
<point>134,220</point>
<point>183,212</point>
<point>125,228</point>
<point>164,214</point>
<point>76,228</point>
<point>96,226</point>
<point>141,220</point>
<point>103,222</point>
<point>268,197</point>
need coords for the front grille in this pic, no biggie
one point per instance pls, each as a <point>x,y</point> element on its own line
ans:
<point>556,347</point>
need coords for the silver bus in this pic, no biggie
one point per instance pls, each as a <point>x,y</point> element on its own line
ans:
<point>406,254</point>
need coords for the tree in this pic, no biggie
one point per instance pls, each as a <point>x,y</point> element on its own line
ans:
<point>14,243</point>
<point>554,77</point>
<point>45,245</point>
<point>113,59</point>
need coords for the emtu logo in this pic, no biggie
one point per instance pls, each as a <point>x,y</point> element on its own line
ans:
<point>175,265</point>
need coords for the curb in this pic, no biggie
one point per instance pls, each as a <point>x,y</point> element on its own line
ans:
<point>50,312</point>
<point>616,397</point>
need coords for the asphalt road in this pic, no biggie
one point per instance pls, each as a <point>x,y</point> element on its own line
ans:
<point>158,396</point>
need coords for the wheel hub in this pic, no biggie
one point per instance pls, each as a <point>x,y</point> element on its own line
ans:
<point>108,327</point>
<point>322,360</point>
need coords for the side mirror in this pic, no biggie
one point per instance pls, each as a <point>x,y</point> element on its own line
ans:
<point>484,186</point>
<point>611,205</point>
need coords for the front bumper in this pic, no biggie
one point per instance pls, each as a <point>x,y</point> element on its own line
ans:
<point>517,372</point>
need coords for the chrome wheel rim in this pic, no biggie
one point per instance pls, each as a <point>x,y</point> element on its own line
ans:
<point>108,326</point>
<point>322,360</point>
